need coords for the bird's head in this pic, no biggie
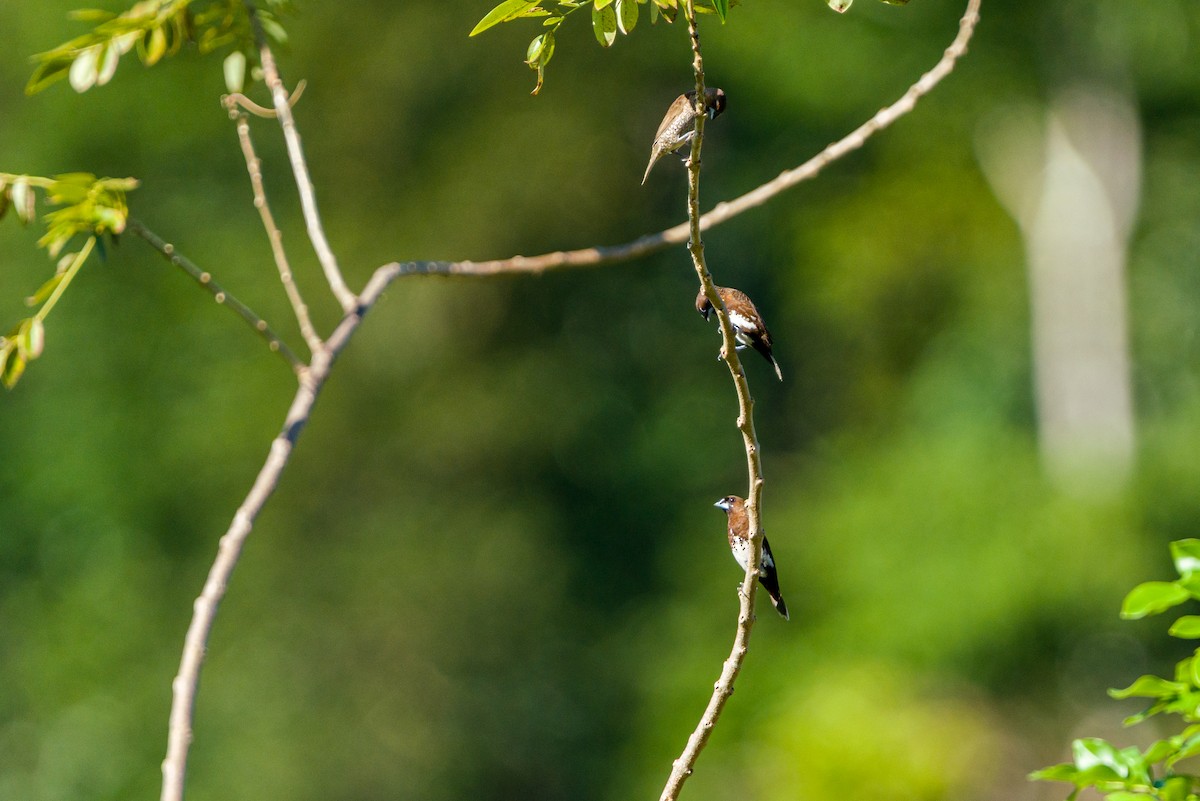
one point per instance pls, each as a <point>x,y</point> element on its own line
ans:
<point>714,101</point>
<point>703,304</point>
<point>730,503</point>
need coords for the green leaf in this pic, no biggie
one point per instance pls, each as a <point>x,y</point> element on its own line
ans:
<point>1119,795</point>
<point>722,9</point>
<point>1186,628</point>
<point>32,338</point>
<point>1186,555</point>
<point>600,4</point>
<point>1066,772</point>
<point>44,291</point>
<point>154,46</point>
<point>504,12</point>
<point>1149,687</point>
<point>627,15</point>
<point>604,25</point>
<point>1152,597</point>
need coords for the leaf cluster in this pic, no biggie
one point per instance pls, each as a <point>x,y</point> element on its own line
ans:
<point>609,17</point>
<point>152,28</point>
<point>89,206</point>
<point>1129,773</point>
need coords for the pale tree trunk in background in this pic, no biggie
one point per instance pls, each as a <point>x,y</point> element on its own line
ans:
<point>1071,182</point>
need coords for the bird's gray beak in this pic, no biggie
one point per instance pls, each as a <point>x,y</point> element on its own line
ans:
<point>722,505</point>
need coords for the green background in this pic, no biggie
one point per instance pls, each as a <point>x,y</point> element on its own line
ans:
<point>492,570</point>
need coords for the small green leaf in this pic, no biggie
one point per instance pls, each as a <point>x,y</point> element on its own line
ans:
<point>722,9</point>
<point>235,71</point>
<point>108,65</point>
<point>45,290</point>
<point>12,364</point>
<point>600,4</point>
<point>1188,748</point>
<point>507,10</point>
<point>1149,687</point>
<point>32,338</point>
<point>1152,597</point>
<point>627,15</point>
<point>154,46</point>
<point>1186,555</point>
<point>1066,772</point>
<point>1186,628</point>
<point>604,25</point>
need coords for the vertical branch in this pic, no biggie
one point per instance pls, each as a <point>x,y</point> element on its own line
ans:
<point>308,199</point>
<point>254,169</point>
<point>685,764</point>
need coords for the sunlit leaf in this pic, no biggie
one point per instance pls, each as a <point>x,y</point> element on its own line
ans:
<point>1186,627</point>
<point>155,45</point>
<point>507,10</point>
<point>1186,556</point>
<point>23,200</point>
<point>1149,687</point>
<point>627,15</point>
<point>108,65</point>
<point>1152,597</point>
<point>32,338</point>
<point>604,25</point>
<point>840,6</point>
<point>83,71</point>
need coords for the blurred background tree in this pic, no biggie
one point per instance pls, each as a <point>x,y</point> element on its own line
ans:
<point>493,569</point>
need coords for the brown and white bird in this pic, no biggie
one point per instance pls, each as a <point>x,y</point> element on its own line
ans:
<point>748,326</point>
<point>739,543</point>
<point>679,125</point>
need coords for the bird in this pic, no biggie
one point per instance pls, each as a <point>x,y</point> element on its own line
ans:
<point>739,543</point>
<point>679,125</point>
<point>748,326</point>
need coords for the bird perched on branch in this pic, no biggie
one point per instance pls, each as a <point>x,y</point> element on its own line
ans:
<point>748,326</point>
<point>679,125</point>
<point>739,543</point>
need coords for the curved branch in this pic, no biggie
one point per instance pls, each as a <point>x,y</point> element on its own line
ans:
<point>725,210</point>
<point>184,686</point>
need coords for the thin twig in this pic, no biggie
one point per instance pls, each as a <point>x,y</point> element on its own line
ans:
<point>222,297</point>
<point>725,210</point>
<point>682,767</point>
<point>183,687</point>
<point>254,169</point>
<point>308,198</point>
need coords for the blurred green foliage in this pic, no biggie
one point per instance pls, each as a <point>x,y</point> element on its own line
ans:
<point>493,570</point>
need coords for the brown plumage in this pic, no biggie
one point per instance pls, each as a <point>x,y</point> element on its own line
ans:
<point>739,544</point>
<point>679,125</point>
<point>748,326</point>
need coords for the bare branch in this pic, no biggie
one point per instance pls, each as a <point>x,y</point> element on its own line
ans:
<point>222,297</point>
<point>682,767</point>
<point>308,198</point>
<point>725,210</point>
<point>254,169</point>
<point>184,686</point>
